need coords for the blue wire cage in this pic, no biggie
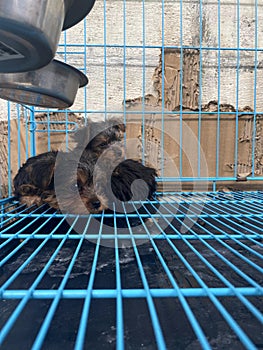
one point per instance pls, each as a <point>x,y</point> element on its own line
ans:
<point>191,276</point>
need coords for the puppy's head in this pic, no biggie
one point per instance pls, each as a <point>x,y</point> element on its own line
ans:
<point>74,189</point>
<point>97,136</point>
<point>34,177</point>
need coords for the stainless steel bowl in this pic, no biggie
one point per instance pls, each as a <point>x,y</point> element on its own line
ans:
<point>77,11</point>
<point>53,86</point>
<point>30,30</point>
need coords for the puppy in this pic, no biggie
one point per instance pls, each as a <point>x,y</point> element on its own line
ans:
<point>59,180</point>
<point>62,182</point>
<point>35,177</point>
<point>34,182</point>
<point>93,177</point>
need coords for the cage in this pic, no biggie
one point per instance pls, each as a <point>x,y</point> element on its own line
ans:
<point>186,79</point>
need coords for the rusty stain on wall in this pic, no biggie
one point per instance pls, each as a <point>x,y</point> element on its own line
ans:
<point>190,71</point>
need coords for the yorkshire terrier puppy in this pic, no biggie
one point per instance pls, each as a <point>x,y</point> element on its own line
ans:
<point>90,179</point>
<point>34,178</point>
<point>56,178</point>
<point>34,182</point>
<point>113,177</point>
<point>73,188</point>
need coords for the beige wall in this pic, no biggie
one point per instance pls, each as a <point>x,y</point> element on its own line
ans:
<point>171,36</point>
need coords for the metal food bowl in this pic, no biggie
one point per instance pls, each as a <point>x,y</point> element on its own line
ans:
<point>53,86</point>
<point>30,30</point>
<point>77,11</point>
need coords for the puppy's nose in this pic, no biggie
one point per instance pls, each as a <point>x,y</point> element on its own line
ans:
<point>95,204</point>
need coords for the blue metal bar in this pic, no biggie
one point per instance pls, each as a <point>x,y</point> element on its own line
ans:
<point>249,305</point>
<point>182,215</point>
<point>27,132</point>
<point>255,90</point>
<point>85,30</point>
<point>9,183</point>
<point>237,91</point>
<point>241,224</point>
<point>232,323</point>
<point>194,47</point>
<point>27,215</point>
<point>47,321</point>
<point>32,133</point>
<point>8,325</point>
<point>18,137</point>
<point>113,111</point>
<point>119,308</point>
<point>236,269</point>
<point>105,54</point>
<point>132,293</point>
<point>218,88</point>
<point>200,87</point>
<point>124,69</point>
<point>221,223</point>
<point>67,130</point>
<point>162,91</point>
<point>144,83</point>
<point>174,236</point>
<point>154,317</point>
<point>2,262</point>
<point>181,92</point>
<point>1,211</point>
<point>205,179</point>
<point>190,315</point>
<point>48,131</point>
<point>65,46</point>
<point>253,198</point>
<point>88,294</point>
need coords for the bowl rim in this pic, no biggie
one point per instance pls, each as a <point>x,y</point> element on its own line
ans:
<point>41,90</point>
<point>77,11</point>
<point>83,78</point>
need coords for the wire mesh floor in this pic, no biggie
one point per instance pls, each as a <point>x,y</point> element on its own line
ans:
<point>183,273</point>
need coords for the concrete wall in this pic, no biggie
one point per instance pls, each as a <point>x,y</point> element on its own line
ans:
<point>138,81</point>
<point>190,36</point>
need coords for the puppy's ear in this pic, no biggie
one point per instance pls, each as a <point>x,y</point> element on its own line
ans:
<point>43,174</point>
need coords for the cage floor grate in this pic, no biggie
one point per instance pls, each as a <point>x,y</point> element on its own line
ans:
<point>181,272</point>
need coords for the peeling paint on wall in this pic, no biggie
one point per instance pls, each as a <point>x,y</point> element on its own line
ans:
<point>215,137</point>
<point>173,75</point>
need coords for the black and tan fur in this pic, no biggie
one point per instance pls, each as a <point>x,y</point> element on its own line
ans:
<point>89,178</point>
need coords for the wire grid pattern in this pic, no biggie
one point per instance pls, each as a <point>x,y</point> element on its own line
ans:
<point>215,265</point>
<point>192,276</point>
<point>114,54</point>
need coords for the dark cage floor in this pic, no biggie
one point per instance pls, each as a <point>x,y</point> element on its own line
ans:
<point>189,277</point>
